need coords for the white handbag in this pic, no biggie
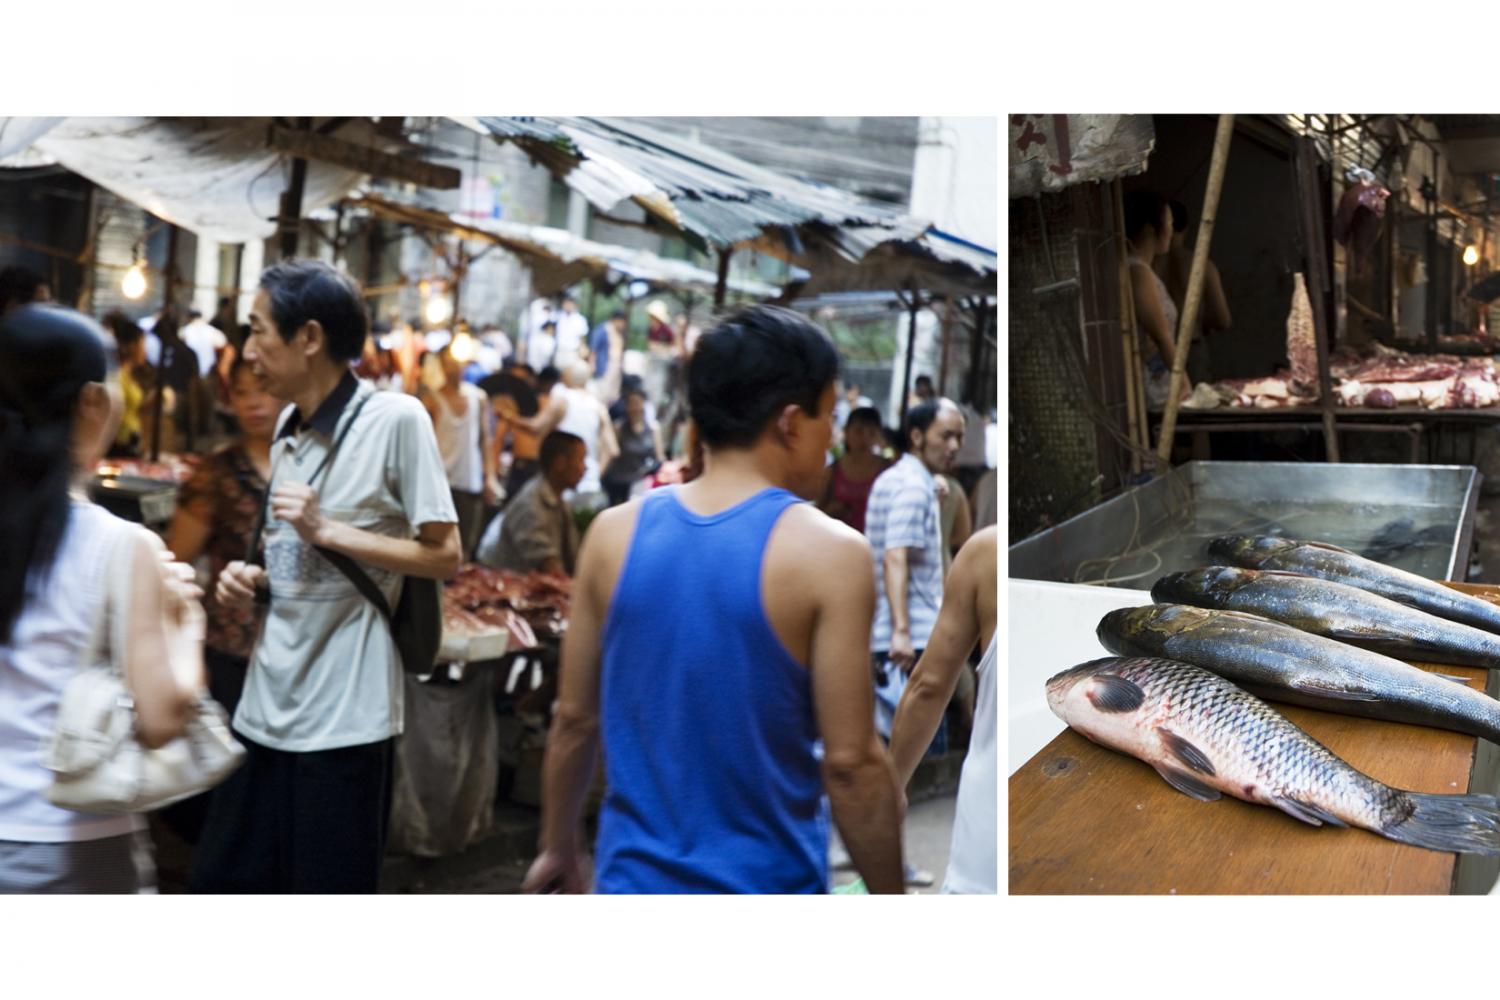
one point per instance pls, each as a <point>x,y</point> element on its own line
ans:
<point>98,763</point>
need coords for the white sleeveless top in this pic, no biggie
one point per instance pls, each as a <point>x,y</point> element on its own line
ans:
<point>459,439</point>
<point>46,649</point>
<point>1168,308</point>
<point>582,419</point>
<point>972,860</point>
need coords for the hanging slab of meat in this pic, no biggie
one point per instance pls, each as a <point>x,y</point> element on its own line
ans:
<point>1356,224</point>
<point>1301,345</point>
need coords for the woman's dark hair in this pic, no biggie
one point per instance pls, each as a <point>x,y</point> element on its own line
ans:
<point>867,415</point>
<point>1142,209</point>
<point>1179,215</point>
<point>306,290</point>
<point>47,355</point>
<point>126,333</point>
<point>753,364</point>
<point>236,367</point>
<point>557,444</point>
<point>18,286</point>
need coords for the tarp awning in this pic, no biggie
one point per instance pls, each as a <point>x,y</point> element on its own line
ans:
<point>216,177</point>
<point>556,257</point>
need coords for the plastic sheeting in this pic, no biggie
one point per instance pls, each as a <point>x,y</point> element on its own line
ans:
<point>213,176</point>
<point>447,766</point>
<point>1052,152</point>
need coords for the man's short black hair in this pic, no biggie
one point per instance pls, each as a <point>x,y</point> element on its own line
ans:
<point>919,418</point>
<point>558,444</point>
<point>754,363</point>
<point>548,374</point>
<point>549,325</point>
<point>867,415</point>
<point>618,314</point>
<point>305,290</point>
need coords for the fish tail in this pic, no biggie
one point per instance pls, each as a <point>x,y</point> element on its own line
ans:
<point>1469,824</point>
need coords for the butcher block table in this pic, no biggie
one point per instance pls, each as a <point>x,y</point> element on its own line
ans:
<point>1086,819</point>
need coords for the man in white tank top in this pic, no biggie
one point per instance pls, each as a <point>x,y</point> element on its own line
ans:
<point>461,418</point>
<point>968,615</point>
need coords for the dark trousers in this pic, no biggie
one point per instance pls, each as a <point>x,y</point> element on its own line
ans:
<point>298,822</point>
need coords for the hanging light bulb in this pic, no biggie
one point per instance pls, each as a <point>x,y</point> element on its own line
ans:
<point>438,309</point>
<point>464,348</point>
<point>133,285</point>
<point>1471,255</point>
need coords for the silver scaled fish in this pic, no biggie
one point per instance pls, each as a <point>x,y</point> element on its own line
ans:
<point>1208,738</point>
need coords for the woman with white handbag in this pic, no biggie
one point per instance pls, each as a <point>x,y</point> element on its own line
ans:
<point>101,658</point>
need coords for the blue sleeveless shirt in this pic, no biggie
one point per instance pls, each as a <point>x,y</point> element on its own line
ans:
<point>711,748</point>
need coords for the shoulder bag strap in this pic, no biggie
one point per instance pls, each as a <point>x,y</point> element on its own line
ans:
<point>108,635</point>
<point>252,556</point>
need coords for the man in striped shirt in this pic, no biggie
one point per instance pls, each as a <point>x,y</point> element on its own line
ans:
<point>903,525</point>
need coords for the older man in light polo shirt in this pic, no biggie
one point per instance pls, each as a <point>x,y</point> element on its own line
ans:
<point>356,471</point>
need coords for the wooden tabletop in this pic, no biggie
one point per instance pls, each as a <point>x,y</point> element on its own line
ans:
<point>1086,819</point>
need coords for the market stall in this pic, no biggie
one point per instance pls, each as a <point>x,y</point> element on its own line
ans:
<point>501,637</point>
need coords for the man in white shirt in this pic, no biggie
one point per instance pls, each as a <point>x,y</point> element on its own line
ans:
<point>572,333</point>
<point>205,340</point>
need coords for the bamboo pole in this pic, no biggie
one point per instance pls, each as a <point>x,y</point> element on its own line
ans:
<point>1130,359</point>
<point>1188,321</point>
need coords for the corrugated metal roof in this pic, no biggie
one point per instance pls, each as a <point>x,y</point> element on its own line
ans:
<point>716,199</point>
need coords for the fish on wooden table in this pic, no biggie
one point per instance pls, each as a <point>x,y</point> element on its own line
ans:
<point>1208,738</point>
<point>1282,663</point>
<point>1333,563</point>
<point>1333,610</point>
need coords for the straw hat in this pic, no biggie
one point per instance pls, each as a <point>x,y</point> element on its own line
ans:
<point>657,310</point>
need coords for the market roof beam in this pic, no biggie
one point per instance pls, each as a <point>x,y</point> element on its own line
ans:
<point>326,149</point>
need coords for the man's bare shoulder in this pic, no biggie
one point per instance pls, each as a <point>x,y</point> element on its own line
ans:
<point>820,542</point>
<point>608,535</point>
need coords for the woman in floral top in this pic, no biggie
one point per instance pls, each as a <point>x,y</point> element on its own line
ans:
<point>216,513</point>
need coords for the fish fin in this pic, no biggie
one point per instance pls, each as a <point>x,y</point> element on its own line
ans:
<point>1187,784</point>
<point>1115,694</point>
<point>1331,548</point>
<point>1186,752</point>
<point>1332,693</point>
<point>1466,823</point>
<point>1451,677</point>
<point>1364,634</point>
<point>1307,812</point>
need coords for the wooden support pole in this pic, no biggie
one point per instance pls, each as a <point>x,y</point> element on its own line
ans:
<point>721,288</point>
<point>911,350</point>
<point>290,222</point>
<point>1129,356</point>
<point>1310,219</point>
<point>1188,321</point>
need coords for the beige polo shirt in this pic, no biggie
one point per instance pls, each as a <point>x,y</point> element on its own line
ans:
<point>325,673</point>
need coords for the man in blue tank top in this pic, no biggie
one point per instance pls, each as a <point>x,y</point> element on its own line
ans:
<point>719,652</point>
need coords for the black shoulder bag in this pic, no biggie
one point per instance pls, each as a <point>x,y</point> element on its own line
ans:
<point>417,623</point>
